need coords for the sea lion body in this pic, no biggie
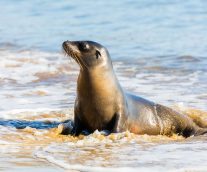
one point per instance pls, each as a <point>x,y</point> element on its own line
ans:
<point>102,104</point>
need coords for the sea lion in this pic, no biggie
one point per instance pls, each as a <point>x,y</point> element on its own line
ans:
<point>102,104</point>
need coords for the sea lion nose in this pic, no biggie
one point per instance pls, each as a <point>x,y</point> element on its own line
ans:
<point>66,43</point>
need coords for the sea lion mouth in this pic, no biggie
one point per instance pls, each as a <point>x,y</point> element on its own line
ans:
<point>71,49</point>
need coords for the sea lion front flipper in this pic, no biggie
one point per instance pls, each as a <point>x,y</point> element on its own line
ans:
<point>118,122</point>
<point>66,128</point>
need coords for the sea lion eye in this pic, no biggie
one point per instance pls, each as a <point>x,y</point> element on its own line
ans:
<point>98,54</point>
<point>83,46</point>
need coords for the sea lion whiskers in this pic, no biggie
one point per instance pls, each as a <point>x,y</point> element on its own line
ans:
<point>74,56</point>
<point>66,55</point>
<point>79,60</point>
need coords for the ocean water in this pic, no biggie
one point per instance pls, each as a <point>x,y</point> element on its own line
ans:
<point>159,51</point>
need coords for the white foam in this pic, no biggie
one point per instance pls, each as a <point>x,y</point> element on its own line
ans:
<point>22,113</point>
<point>165,87</point>
<point>79,167</point>
<point>200,168</point>
<point>22,66</point>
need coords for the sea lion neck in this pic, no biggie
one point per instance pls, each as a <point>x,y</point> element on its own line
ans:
<point>97,80</point>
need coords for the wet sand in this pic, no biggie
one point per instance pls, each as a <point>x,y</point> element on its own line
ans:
<point>45,149</point>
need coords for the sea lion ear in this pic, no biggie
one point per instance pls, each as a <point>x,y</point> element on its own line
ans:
<point>98,54</point>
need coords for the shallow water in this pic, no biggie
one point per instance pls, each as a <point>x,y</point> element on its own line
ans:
<point>159,52</point>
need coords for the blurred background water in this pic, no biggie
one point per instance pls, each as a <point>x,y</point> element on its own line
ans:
<point>136,28</point>
<point>159,49</point>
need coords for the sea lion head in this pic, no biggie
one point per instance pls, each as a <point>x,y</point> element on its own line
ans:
<point>87,54</point>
